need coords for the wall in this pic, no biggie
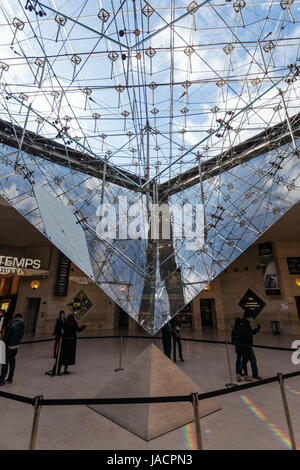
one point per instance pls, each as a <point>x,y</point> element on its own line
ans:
<point>230,286</point>
<point>101,314</point>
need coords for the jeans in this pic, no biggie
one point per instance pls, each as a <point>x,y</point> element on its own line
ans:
<point>11,362</point>
<point>250,356</point>
<point>178,341</point>
<point>239,366</point>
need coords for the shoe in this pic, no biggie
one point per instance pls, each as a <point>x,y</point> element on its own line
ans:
<point>238,378</point>
<point>9,381</point>
<point>257,377</point>
<point>66,372</point>
<point>181,359</point>
<point>50,373</point>
<point>2,383</point>
<point>248,378</point>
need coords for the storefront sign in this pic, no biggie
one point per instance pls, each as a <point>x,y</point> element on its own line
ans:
<point>62,276</point>
<point>80,280</point>
<point>12,264</point>
<point>251,303</point>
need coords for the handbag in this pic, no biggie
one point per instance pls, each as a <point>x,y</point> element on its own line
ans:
<point>2,352</point>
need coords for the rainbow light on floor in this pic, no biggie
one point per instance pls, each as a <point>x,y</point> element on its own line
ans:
<point>295,392</point>
<point>275,430</point>
<point>189,438</point>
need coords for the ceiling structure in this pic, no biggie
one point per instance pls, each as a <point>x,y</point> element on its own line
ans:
<point>174,102</point>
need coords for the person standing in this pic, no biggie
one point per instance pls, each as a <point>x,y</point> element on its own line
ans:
<point>58,331</point>
<point>3,323</point>
<point>67,356</point>
<point>2,344</point>
<point>12,338</point>
<point>239,349</point>
<point>167,339</point>
<point>246,339</point>
<point>177,341</point>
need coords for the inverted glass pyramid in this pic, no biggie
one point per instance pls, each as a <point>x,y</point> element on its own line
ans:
<point>107,113</point>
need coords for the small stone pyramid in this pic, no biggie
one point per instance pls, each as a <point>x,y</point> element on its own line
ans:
<point>152,374</point>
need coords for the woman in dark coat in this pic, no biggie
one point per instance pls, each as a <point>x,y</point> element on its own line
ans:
<point>58,331</point>
<point>67,356</point>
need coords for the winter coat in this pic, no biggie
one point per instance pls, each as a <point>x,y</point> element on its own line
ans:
<point>68,344</point>
<point>14,332</point>
<point>166,335</point>
<point>236,331</point>
<point>246,335</point>
<point>58,329</point>
<point>176,332</point>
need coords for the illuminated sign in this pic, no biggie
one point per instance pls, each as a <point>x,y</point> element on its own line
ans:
<point>12,264</point>
<point>251,303</point>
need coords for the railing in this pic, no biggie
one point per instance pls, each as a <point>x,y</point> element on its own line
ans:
<point>39,401</point>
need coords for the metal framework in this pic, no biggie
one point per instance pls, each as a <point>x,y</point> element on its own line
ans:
<point>157,102</point>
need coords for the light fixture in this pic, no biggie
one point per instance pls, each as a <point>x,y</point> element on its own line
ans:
<point>298,281</point>
<point>35,284</point>
<point>207,287</point>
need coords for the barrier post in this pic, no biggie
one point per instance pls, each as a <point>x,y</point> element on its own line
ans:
<point>195,403</point>
<point>58,355</point>
<point>35,423</point>
<point>286,411</point>
<point>120,359</point>
<point>231,383</point>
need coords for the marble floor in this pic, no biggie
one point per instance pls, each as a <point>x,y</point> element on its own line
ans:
<point>252,419</point>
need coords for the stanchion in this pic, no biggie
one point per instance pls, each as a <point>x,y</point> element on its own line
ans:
<point>286,411</point>
<point>231,383</point>
<point>195,403</point>
<point>35,424</point>
<point>58,355</point>
<point>120,360</point>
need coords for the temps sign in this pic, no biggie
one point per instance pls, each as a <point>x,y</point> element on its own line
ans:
<point>12,264</point>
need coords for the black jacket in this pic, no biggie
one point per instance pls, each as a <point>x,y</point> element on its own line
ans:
<point>58,329</point>
<point>236,331</point>
<point>15,332</point>
<point>69,340</point>
<point>246,334</point>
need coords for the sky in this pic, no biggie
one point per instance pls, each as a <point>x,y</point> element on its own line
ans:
<point>150,111</point>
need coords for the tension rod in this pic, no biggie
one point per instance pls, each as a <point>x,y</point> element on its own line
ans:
<point>289,122</point>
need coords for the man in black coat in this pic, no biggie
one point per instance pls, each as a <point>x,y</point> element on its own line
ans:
<point>177,341</point>
<point>12,338</point>
<point>239,349</point>
<point>246,339</point>
<point>167,339</point>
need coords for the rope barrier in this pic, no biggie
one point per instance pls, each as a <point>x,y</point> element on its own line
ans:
<point>14,397</point>
<point>276,348</point>
<point>141,400</point>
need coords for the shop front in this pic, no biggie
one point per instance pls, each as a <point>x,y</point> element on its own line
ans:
<point>15,266</point>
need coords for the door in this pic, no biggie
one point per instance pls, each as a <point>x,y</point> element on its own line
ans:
<point>33,306</point>
<point>297,299</point>
<point>208,313</point>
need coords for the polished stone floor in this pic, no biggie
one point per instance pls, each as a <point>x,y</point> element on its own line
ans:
<point>252,419</point>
